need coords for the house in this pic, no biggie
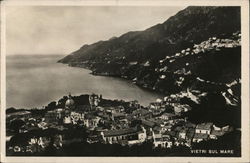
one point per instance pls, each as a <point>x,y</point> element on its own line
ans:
<point>132,135</point>
<point>43,125</point>
<point>186,108</point>
<point>67,120</point>
<point>183,134</point>
<point>146,64</point>
<point>103,116</point>
<point>124,123</point>
<point>142,113</point>
<point>167,116</point>
<point>204,128</point>
<point>166,128</point>
<point>86,122</point>
<point>91,121</point>
<point>147,124</point>
<point>190,134</point>
<point>198,137</point>
<point>117,116</point>
<point>161,141</point>
<point>162,76</point>
<point>100,109</point>
<point>142,136</point>
<point>51,116</point>
<point>178,108</point>
<point>134,104</point>
<point>158,141</point>
<point>157,129</point>
<point>120,109</point>
<point>133,63</point>
<point>170,100</point>
<point>156,112</point>
<point>216,133</point>
<point>155,105</point>
<point>77,116</point>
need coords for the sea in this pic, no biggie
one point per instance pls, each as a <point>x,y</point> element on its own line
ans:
<point>33,81</point>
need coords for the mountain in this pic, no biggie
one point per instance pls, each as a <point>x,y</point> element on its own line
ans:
<point>189,26</point>
<point>194,57</point>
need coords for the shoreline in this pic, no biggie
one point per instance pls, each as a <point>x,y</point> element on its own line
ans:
<point>105,74</point>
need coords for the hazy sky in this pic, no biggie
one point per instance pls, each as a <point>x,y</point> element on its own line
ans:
<point>64,29</point>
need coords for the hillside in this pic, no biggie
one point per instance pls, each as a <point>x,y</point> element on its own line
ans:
<point>195,55</point>
<point>189,26</point>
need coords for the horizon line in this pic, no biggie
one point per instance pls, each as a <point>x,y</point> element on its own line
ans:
<point>26,54</point>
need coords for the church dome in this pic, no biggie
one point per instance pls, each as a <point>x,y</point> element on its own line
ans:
<point>69,103</point>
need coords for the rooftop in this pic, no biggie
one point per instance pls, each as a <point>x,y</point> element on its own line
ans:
<point>117,114</point>
<point>120,132</point>
<point>171,133</point>
<point>141,111</point>
<point>168,114</point>
<point>204,126</point>
<point>200,136</point>
<point>148,123</point>
<point>217,133</point>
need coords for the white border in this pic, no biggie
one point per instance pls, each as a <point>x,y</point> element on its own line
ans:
<point>245,78</point>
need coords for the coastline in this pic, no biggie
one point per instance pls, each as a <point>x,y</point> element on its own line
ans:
<point>107,74</point>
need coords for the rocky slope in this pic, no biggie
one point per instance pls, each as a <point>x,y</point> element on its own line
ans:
<point>189,26</point>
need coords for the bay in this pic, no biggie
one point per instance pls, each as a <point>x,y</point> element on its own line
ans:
<point>35,80</point>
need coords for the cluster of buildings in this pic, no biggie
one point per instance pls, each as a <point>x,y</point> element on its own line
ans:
<point>210,44</point>
<point>160,123</point>
<point>213,43</point>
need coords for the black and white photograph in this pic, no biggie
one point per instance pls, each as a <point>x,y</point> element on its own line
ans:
<point>124,81</point>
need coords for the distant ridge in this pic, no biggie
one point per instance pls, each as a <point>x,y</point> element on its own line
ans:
<point>189,26</point>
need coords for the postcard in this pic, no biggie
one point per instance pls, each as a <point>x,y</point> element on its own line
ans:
<point>123,81</point>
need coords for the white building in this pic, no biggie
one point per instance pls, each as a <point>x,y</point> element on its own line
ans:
<point>161,142</point>
<point>204,128</point>
<point>131,135</point>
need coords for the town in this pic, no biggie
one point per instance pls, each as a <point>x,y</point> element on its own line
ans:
<point>107,122</point>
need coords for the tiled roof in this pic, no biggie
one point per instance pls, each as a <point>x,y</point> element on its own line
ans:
<point>171,133</point>
<point>117,114</point>
<point>189,125</point>
<point>217,133</point>
<point>158,139</point>
<point>200,136</point>
<point>148,123</point>
<point>141,111</point>
<point>168,114</point>
<point>190,133</point>
<point>157,128</point>
<point>204,126</point>
<point>120,132</point>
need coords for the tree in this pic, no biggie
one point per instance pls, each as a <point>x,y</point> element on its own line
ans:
<point>16,124</point>
<point>51,106</point>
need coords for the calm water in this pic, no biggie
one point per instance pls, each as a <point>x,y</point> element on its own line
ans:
<point>34,81</point>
